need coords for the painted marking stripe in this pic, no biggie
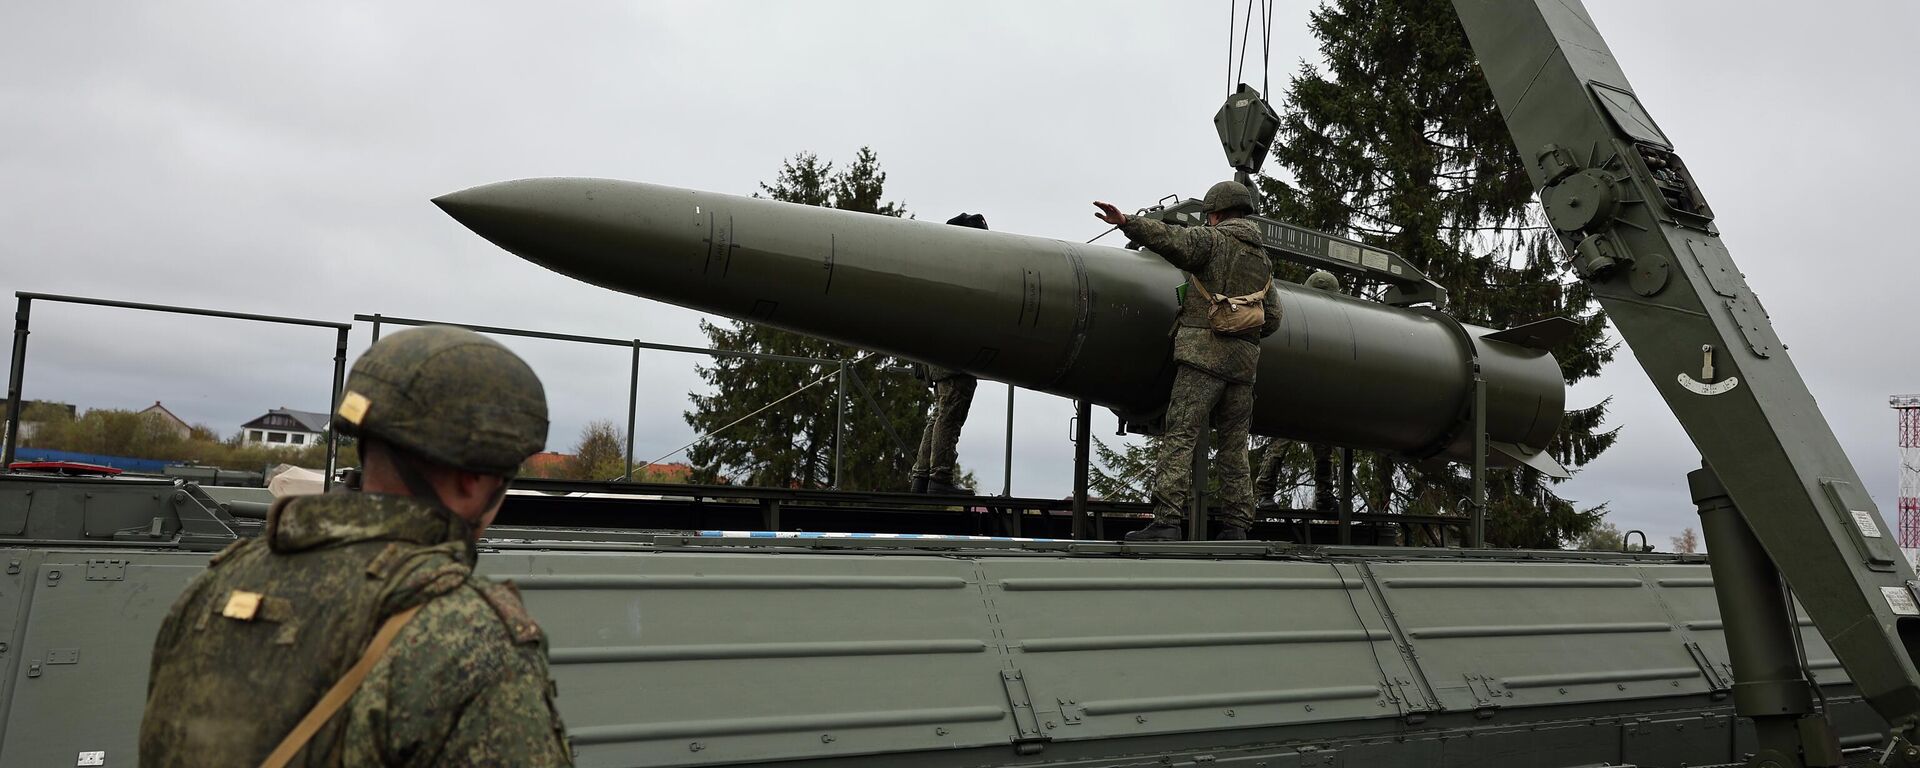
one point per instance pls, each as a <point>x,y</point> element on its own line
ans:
<point>619,654</point>
<point>679,581</point>
<point>611,734</point>
<point>717,534</point>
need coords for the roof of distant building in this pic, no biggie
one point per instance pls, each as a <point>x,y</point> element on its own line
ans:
<point>307,420</point>
<point>547,459</point>
<point>160,410</point>
<point>670,472</point>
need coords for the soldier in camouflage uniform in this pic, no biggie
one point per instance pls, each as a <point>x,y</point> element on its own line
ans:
<point>1266,480</point>
<point>1213,381</point>
<point>444,417</point>
<point>952,398</point>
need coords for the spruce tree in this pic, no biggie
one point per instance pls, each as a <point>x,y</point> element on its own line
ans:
<point>1394,139</point>
<point>791,443</point>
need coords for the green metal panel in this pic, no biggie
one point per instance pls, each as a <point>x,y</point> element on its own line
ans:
<point>1115,648</point>
<point>879,655</point>
<point>79,670</point>
<point>736,657</point>
<point>1502,635</point>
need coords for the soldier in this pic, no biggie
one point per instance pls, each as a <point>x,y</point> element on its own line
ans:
<point>952,397</point>
<point>1266,480</point>
<point>1213,380</point>
<point>370,597</point>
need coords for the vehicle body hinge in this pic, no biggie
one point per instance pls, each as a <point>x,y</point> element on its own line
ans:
<point>1719,683</point>
<point>1407,696</point>
<point>1488,694</point>
<point>1030,739</point>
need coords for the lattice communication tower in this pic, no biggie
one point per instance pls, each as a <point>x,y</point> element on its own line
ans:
<point>1908,406</point>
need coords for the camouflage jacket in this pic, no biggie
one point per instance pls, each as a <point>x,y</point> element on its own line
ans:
<point>465,683</point>
<point>1228,258</point>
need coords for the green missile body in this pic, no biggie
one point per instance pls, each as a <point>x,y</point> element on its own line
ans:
<point>1076,320</point>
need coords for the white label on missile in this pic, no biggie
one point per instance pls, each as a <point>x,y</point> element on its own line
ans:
<point>92,758</point>
<point>1900,600</point>
<point>1868,527</point>
<point>1373,260</point>
<point>1701,388</point>
<point>1347,252</point>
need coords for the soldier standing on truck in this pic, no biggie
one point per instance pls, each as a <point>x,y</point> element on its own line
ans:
<point>353,630</point>
<point>1228,274</point>
<point>952,398</point>
<point>1266,479</point>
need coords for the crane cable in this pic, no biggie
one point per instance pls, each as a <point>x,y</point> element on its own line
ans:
<point>1237,56</point>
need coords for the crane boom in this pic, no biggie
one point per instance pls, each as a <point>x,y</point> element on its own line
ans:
<point>1639,231</point>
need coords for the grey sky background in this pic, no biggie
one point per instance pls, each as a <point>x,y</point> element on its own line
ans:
<point>279,158</point>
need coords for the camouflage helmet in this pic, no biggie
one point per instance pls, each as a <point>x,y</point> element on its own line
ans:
<point>1228,195</point>
<point>448,395</point>
<point>1322,280</point>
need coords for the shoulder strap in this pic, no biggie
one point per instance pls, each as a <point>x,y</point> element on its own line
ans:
<point>1233,259</point>
<point>341,691</point>
<point>1194,277</point>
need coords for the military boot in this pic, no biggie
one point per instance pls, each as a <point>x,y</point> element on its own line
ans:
<point>918,485</point>
<point>1158,531</point>
<point>938,487</point>
<point>1230,533</point>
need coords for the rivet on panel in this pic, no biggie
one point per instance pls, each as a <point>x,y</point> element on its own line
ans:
<point>939,731</point>
<point>695,747</point>
<point>1229,713</point>
<point>826,738</point>
<point>1309,707</point>
<point>1140,719</point>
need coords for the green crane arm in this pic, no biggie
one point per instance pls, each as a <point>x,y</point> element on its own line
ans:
<point>1639,230</point>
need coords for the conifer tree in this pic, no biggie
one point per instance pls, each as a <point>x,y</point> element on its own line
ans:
<point>791,443</point>
<point>1394,138</point>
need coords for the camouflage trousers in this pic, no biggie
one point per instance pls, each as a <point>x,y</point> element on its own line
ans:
<point>1266,478</point>
<point>940,441</point>
<point>1200,401</point>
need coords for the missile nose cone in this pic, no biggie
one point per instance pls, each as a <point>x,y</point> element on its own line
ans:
<point>512,214</point>
<point>566,225</point>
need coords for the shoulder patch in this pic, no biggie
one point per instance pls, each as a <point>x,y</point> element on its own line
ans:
<point>505,599</point>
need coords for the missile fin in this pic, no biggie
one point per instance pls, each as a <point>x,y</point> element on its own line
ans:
<point>1539,460</point>
<point>1539,334</point>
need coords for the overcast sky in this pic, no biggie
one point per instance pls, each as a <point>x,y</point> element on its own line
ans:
<point>279,158</point>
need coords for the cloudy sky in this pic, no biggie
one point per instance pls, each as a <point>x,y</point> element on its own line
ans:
<point>279,158</point>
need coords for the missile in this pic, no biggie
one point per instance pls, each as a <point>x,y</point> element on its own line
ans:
<point>1076,320</point>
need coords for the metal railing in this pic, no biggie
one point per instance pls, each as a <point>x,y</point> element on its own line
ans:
<point>22,320</point>
<point>844,373</point>
<point>633,376</point>
<point>1084,524</point>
